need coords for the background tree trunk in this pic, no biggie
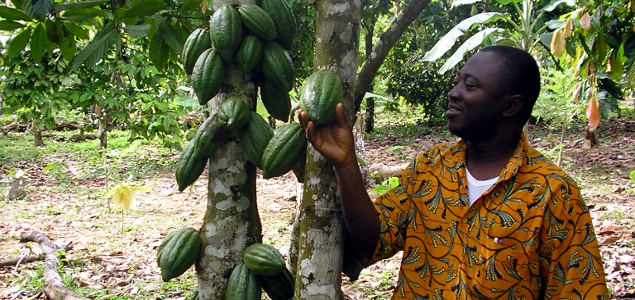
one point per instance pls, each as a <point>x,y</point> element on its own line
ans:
<point>37,134</point>
<point>369,117</point>
<point>103,133</point>
<point>320,254</point>
<point>231,222</point>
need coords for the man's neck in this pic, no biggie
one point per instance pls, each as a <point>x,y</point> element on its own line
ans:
<point>485,160</point>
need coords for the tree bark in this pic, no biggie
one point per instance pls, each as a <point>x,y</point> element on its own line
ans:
<point>54,287</point>
<point>231,221</point>
<point>369,117</point>
<point>386,41</point>
<point>103,133</point>
<point>320,251</point>
<point>37,134</point>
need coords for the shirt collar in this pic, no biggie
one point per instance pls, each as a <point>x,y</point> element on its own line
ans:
<point>514,163</point>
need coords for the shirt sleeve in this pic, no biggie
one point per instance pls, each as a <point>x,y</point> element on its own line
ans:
<point>394,208</point>
<point>571,264</point>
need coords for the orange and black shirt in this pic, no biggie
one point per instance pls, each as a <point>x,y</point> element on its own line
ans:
<point>529,236</point>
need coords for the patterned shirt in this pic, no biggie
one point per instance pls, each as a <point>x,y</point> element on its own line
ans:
<point>529,236</point>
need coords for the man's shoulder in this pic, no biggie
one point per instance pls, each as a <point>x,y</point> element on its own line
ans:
<point>537,164</point>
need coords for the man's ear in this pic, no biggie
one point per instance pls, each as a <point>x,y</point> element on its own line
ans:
<point>514,105</point>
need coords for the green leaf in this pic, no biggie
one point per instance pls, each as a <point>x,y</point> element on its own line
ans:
<point>145,8</point>
<point>79,31</point>
<point>464,2</point>
<point>471,43</point>
<point>447,41</point>
<point>553,5</point>
<point>81,4</point>
<point>360,160</point>
<point>137,31</point>
<point>41,8</point>
<point>159,51</point>
<point>393,181</point>
<point>67,45</point>
<point>95,50</point>
<point>13,14</point>
<point>18,43</point>
<point>192,102</point>
<point>81,14</point>
<point>37,43</point>
<point>371,95</point>
<point>381,189</point>
<point>632,175</point>
<point>10,25</point>
<point>631,77</point>
<point>171,37</point>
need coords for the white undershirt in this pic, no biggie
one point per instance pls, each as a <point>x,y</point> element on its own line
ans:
<point>476,188</point>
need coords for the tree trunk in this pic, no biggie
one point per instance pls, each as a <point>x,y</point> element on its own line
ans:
<point>103,133</point>
<point>231,222</point>
<point>320,251</point>
<point>386,41</point>
<point>37,134</point>
<point>369,117</point>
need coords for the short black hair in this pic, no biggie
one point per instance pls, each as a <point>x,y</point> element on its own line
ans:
<point>519,75</point>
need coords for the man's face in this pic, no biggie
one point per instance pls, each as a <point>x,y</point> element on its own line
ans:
<point>475,107</point>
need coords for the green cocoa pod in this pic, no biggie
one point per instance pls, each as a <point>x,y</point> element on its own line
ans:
<point>254,138</point>
<point>277,66</point>
<point>257,21</point>
<point>298,168</point>
<point>280,286</point>
<point>321,92</point>
<point>243,285</point>
<point>284,150</point>
<point>263,259</point>
<point>283,21</point>
<point>249,53</point>
<point>276,101</point>
<point>226,31</point>
<point>197,42</point>
<point>233,113</point>
<point>178,252</point>
<point>189,166</point>
<point>208,138</point>
<point>208,75</point>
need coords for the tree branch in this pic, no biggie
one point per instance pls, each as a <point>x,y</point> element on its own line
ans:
<point>386,41</point>
<point>54,287</point>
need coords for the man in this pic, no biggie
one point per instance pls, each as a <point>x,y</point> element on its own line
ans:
<point>486,218</point>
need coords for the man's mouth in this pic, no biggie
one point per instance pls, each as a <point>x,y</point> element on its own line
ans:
<point>452,111</point>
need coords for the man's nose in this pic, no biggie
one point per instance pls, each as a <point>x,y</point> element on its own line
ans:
<point>453,93</point>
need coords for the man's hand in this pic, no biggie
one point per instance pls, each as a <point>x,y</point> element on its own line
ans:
<point>334,142</point>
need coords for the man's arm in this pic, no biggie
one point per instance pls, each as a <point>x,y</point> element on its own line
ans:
<point>337,145</point>
<point>571,259</point>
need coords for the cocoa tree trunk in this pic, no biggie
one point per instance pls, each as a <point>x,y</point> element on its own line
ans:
<point>37,134</point>
<point>320,251</point>
<point>231,222</point>
<point>54,287</point>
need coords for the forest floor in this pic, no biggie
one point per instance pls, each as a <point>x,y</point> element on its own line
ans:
<point>113,255</point>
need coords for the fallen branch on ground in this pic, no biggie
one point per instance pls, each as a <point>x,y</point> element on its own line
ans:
<point>28,259</point>
<point>54,287</point>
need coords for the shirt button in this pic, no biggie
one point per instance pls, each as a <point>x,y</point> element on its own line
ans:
<point>465,221</point>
